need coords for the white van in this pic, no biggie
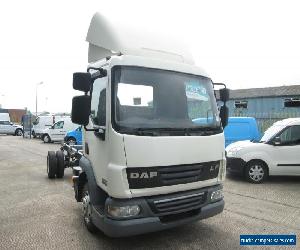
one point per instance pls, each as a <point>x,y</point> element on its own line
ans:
<point>277,153</point>
<point>4,117</point>
<point>44,121</point>
<point>58,130</point>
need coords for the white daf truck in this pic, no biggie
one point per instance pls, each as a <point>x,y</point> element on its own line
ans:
<point>146,165</point>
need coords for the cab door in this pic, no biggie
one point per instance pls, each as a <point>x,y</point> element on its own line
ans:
<point>96,149</point>
<point>286,151</point>
<point>56,131</point>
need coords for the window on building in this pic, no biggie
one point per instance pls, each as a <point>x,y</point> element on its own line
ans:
<point>291,102</point>
<point>241,104</point>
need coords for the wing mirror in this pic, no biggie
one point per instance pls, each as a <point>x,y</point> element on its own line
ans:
<point>82,81</point>
<point>224,94</point>
<point>224,113</point>
<point>224,97</point>
<point>81,109</point>
<point>276,141</point>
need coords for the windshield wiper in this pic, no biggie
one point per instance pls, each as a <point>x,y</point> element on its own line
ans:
<point>156,131</point>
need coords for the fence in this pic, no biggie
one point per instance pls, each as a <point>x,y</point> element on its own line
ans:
<point>265,120</point>
<point>27,125</point>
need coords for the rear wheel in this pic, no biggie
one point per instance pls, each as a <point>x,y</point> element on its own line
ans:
<point>256,171</point>
<point>60,164</point>
<point>46,138</point>
<point>87,210</point>
<point>51,164</point>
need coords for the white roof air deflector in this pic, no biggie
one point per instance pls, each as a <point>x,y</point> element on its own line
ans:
<point>107,38</point>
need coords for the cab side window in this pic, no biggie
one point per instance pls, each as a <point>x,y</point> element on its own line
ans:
<point>291,135</point>
<point>59,125</point>
<point>98,102</point>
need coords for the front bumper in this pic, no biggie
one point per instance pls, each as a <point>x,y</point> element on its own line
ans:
<point>235,165</point>
<point>151,220</point>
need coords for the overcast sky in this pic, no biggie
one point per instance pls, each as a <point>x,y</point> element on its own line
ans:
<point>241,43</point>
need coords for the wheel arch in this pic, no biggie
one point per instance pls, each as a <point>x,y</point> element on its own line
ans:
<point>97,195</point>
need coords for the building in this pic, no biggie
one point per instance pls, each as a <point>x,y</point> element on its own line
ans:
<point>15,114</point>
<point>265,104</point>
<point>270,100</point>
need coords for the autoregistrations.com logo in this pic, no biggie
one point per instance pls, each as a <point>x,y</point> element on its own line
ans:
<point>269,239</point>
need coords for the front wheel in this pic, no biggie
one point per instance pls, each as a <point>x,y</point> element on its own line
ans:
<point>71,141</point>
<point>256,172</point>
<point>87,210</point>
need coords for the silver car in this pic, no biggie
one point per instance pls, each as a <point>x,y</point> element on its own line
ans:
<point>7,127</point>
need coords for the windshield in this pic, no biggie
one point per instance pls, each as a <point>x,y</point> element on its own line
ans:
<point>271,131</point>
<point>159,99</point>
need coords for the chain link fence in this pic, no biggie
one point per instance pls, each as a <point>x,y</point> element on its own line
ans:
<point>265,120</point>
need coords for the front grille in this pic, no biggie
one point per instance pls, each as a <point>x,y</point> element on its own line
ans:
<point>182,174</point>
<point>178,203</point>
<point>171,175</point>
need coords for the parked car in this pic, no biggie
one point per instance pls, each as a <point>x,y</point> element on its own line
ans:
<point>241,129</point>
<point>74,137</point>
<point>277,153</point>
<point>58,130</point>
<point>7,127</point>
<point>43,122</point>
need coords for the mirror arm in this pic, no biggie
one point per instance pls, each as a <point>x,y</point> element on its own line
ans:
<point>220,84</point>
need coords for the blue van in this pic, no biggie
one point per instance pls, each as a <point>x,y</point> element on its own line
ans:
<point>240,129</point>
<point>74,137</point>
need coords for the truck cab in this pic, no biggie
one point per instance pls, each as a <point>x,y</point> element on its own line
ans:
<point>146,166</point>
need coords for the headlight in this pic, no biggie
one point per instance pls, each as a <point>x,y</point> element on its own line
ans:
<point>123,212</point>
<point>216,195</point>
<point>233,151</point>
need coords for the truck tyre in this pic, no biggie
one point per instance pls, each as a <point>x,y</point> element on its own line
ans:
<point>19,132</point>
<point>51,164</point>
<point>46,138</point>
<point>87,210</point>
<point>60,164</point>
<point>256,171</point>
<point>33,134</point>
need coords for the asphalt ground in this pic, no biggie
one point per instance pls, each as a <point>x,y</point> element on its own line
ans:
<point>38,213</point>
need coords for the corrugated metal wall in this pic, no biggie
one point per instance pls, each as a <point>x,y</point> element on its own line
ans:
<point>265,110</point>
